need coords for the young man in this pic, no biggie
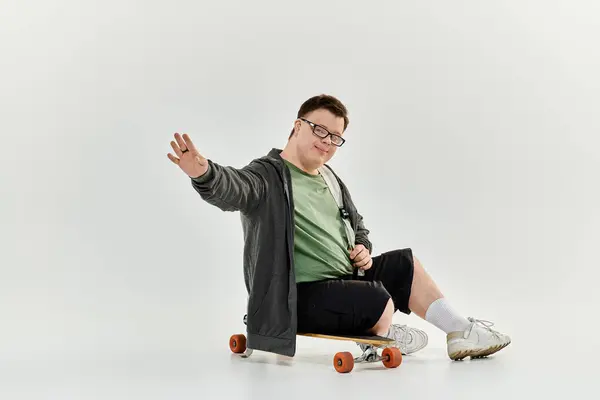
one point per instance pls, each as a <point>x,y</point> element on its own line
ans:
<point>301,249</point>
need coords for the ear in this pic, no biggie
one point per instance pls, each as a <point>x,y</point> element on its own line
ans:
<point>297,125</point>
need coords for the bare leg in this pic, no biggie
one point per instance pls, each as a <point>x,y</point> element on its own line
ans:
<point>382,326</point>
<point>424,291</point>
<point>427,301</point>
<point>408,340</point>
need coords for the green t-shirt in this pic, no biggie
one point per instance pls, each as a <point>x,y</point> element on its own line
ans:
<point>320,245</point>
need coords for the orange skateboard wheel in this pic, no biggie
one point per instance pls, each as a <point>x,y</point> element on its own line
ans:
<point>343,362</point>
<point>237,343</point>
<point>392,357</point>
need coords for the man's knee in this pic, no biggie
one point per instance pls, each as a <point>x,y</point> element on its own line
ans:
<point>389,309</point>
<point>385,320</point>
<point>416,260</point>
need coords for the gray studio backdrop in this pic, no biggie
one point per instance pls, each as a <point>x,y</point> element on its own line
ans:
<point>473,139</point>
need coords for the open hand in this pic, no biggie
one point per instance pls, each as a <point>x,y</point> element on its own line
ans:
<point>188,158</point>
<point>361,257</point>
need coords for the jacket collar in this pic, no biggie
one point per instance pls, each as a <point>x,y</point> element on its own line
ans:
<point>275,153</point>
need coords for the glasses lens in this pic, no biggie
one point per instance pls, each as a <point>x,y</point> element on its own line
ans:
<point>321,132</point>
<point>336,140</point>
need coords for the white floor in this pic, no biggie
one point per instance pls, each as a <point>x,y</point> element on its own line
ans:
<point>523,370</point>
<point>473,140</point>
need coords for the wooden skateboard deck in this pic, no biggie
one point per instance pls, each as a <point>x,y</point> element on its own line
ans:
<point>372,340</point>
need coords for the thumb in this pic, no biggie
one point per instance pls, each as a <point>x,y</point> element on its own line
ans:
<point>200,160</point>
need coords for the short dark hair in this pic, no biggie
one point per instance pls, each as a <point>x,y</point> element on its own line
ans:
<point>327,102</point>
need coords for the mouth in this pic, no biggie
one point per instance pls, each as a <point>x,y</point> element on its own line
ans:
<point>321,150</point>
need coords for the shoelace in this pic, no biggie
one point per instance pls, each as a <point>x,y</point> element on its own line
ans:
<point>484,324</point>
<point>401,328</point>
<point>395,331</point>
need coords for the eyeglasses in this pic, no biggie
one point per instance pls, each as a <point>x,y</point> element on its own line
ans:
<point>321,132</point>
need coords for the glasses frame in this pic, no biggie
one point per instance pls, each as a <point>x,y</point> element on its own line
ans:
<point>314,126</point>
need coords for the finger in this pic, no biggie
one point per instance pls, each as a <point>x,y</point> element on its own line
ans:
<point>180,142</point>
<point>188,142</point>
<point>362,262</point>
<point>176,149</point>
<point>358,252</point>
<point>366,266</point>
<point>173,158</point>
<point>192,148</point>
<point>361,256</point>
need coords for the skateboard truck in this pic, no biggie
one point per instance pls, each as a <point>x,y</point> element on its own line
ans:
<point>369,355</point>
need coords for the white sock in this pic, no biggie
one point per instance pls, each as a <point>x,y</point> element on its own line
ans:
<point>443,316</point>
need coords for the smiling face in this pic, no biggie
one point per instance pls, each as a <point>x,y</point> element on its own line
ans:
<point>311,150</point>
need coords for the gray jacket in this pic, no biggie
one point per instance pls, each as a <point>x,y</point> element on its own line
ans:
<point>262,192</point>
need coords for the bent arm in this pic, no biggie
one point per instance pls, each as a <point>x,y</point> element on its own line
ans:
<point>232,189</point>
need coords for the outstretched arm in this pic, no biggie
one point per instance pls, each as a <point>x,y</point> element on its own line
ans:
<point>229,188</point>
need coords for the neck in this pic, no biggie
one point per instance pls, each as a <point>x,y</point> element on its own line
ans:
<point>291,155</point>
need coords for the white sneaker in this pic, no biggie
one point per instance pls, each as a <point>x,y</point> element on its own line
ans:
<point>408,340</point>
<point>476,341</point>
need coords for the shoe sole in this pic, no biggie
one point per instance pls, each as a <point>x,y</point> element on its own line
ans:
<point>476,353</point>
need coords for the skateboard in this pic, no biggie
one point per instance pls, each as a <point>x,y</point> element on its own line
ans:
<point>343,362</point>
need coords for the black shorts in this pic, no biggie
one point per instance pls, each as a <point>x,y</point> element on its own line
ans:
<point>348,306</point>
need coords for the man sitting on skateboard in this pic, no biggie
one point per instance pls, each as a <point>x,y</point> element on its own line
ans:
<point>298,262</point>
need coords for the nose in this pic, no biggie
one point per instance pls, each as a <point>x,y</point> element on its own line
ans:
<point>326,139</point>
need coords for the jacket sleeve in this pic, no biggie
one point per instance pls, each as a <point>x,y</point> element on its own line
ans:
<point>232,189</point>
<point>362,234</point>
